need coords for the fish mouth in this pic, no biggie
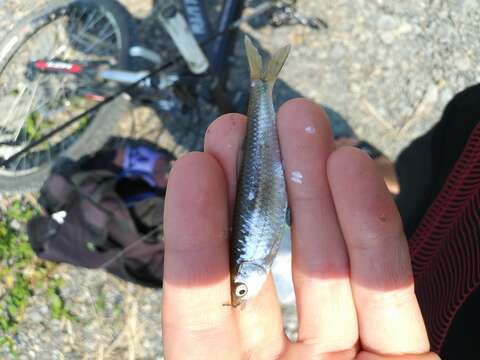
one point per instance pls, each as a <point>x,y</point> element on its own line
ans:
<point>237,303</point>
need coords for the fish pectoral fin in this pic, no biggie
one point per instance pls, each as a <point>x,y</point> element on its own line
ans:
<point>276,63</point>
<point>254,59</point>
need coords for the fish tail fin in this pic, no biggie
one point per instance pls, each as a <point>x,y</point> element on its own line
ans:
<point>274,65</point>
<point>254,60</point>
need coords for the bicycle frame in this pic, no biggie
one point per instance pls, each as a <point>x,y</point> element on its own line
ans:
<point>197,17</point>
<point>212,44</point>
<point>146,83</point>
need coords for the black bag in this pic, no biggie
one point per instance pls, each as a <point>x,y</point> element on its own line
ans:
<point>89,222</point>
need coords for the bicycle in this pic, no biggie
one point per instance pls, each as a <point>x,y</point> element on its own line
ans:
<point>69,71</point>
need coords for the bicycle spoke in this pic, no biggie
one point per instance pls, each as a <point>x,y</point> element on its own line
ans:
<point>88,43</point>
<point>89,23</point>
<point>37,126</point>
<point>42,105</point>
<point>87,27</point>
<point>104,29</point>
<point>11,111</point>
<point>77,18</point>
<point>85,10</point>
<point>100,39</point>
<point>18,162</point>
<point>25,113</point>
<point>80,40</point>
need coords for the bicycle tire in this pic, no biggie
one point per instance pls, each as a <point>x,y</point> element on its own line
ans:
<point>100,128</point>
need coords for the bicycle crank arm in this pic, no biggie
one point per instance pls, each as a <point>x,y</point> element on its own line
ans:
<point>144,53</point>
<point>181,34</point>
<point>122,76</point>
<point>160,82</point>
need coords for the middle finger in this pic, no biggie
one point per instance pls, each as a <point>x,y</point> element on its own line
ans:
<point>326,312</point>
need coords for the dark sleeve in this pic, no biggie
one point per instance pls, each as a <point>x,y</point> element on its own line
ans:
<point>422,170</point>
<point>423,167</point>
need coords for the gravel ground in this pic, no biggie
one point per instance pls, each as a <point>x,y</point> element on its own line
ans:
<point>384,69</point>
<point>388,67</point>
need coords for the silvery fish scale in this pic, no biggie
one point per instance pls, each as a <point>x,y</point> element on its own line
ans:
<point>261,197</point>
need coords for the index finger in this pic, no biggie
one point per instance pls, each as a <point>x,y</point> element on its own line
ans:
<point>196,268</point>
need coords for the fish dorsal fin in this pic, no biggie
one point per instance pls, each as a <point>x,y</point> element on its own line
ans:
<point>254,60</point>
<point>274,65</point>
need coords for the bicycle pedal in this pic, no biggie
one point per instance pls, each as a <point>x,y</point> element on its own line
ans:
<point>144,53</point>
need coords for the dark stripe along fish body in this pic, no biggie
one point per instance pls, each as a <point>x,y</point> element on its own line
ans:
<point>261,200</point>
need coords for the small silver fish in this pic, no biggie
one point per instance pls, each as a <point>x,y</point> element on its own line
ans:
<point>261,201</point>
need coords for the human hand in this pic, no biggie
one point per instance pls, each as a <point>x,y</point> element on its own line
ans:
<point>350,261</point>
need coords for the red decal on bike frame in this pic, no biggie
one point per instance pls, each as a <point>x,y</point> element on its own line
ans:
<point>58,66</point>
<point>94,97</point>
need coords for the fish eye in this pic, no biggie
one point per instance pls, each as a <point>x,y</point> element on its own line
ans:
<point>241,290</point>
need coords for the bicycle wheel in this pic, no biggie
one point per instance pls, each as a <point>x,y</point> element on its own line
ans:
<point>35,103</point>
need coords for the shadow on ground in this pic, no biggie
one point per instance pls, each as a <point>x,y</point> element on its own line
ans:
<point>188,128</point>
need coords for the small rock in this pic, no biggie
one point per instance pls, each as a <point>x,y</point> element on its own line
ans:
<point>405,111</point>
<point>387,22</point>
<point>355,88</point>
<point>404,29</point>
<point>90,346</point>
<point>36,317</point>
<point>463,63</point>
<point>437,74</point>
<point>15,225</point>
<point>446,95</point>
<point>43,309</point>
<point>460,83</point>
<point>337,52</point>
<point>388,38</point>
<point>431,96</point>
<point>322,55</point>
<point>443,14</point>
<point>357,66</point>
<point>390,63</point>
<point>382,111</point>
